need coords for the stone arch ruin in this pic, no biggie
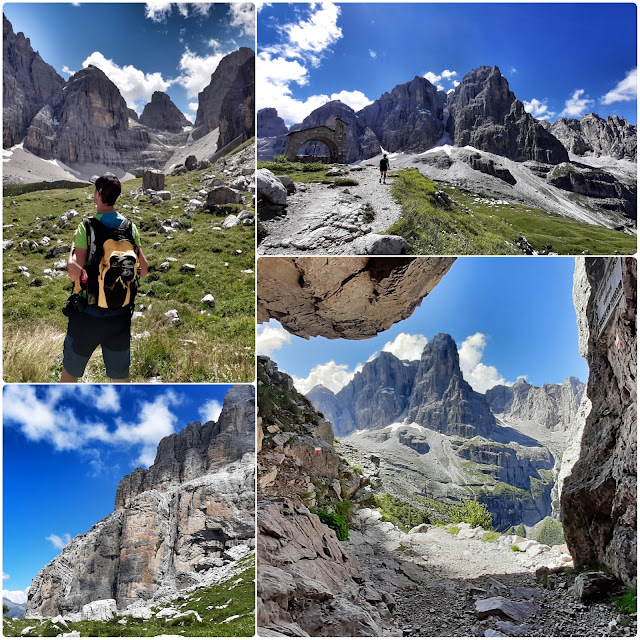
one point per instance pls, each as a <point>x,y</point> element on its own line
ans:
<point>335,139</point>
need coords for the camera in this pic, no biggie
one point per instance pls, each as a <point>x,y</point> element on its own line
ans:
<point>75,302</point>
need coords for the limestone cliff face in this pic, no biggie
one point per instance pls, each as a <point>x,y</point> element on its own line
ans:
<point>484,113</point>
<point>442,400</point>
<point>194,502</point>
<point>210,99</point>
<point>238,107</point>
<point>162,114</point>
<point>345,297</point>
<point>599,497</point>
<point>380,393</point>
<point>553,406</point>
<point>307,582</point>
<point>409,118</point>
<point>28,84</point>
<point>592,135</point>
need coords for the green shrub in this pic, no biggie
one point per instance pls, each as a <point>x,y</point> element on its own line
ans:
<point>475,513</point>
<point>491,536</point>
<point>521,531</point>
<point>627,602</point>
<point>334,521</point>
<point>452,529</point>
<point>401,513</point>
<point>514,548</point>
<point>549,531</point>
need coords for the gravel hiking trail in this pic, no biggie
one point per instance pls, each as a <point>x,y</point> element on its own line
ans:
<point>321,219</point>
<point>438,578</point>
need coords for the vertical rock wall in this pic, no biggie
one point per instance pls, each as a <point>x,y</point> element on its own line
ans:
<point>599,497</point>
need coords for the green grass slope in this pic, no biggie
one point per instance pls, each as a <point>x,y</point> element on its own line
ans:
<point>210,344</point>
<point>477,226</point>
<point>226,609</point>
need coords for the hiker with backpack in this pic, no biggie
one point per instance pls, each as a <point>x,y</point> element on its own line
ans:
<point>384,167</point>
<point>105,263</point>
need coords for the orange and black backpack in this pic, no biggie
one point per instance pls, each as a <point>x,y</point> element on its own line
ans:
<point>112,265</point>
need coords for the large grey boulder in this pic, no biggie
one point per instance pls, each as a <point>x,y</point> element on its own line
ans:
<point>270,188</point>
<point>100,610</point>
<point>374,244</point>
<point>153,179</point>
<point>223,195</point>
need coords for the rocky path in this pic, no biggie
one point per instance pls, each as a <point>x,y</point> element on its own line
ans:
<point>444,583</point>
<point>322,219</point>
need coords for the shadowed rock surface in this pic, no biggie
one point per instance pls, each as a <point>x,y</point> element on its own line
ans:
<point>192,504</point>
<point>163,115</point>
<point>484,113</point>
<point>344,298</point>
<point>238,106</point>
<point>599,497</point>
<point>210,99</point>
<point>28,84</point>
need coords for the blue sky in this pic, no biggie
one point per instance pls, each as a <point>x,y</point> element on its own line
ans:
<point>66,448</point>
<point>559,59</point>
<point>157,46</point>
<point>510,317</point>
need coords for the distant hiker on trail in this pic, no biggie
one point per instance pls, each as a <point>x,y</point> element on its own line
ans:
<point>384,167</point>
<point>105,262</point>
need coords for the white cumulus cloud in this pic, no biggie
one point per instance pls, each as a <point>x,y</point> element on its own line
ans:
<point>479,375</point>
<point>59,542</point>
<point>68,71</point>
<point>155,421</point>
<point>18,596</point>
<point>135,85</point>
<point>538,109</point>
<point>625,90</point>
<point>407,346</point>
<point>373,54</point>
<point>210,411</point>
<point>243,17</point>
<point>5,576</point>
<point>303,47</point>
<point>159,10</point>
<point>196,71</point>
<point>447,75</point>
<point>270,339</point>
<point>576,105</point>
<point>432,77</point>
<point>331,375</point>
<point>48,418</point>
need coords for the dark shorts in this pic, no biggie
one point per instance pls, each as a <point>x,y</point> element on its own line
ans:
<point>89,329</point>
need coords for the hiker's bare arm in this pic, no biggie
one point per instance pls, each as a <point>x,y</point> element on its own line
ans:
<point>144,265</point>
<point>79,257</point>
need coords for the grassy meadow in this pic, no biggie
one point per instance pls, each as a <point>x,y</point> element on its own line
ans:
<point>210,344</point>
<point>477,226</point>
<point>225,609</point>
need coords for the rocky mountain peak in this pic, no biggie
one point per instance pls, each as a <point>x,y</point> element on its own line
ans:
<point>442,400</point>
<point>162,114</point>
<point>270,124</point>
<point>210,99</point>
<point>172,522</point>
<point>484,113</point>
<point>196,450</point>
<point>28,84</point>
